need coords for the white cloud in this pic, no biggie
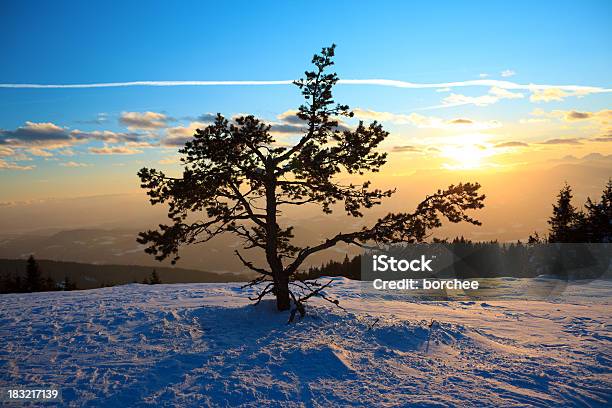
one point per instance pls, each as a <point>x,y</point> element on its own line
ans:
<point>291,117</point>
<point>603,116</point>
<point>41,137</point>
<point>459,99</point>
<point>66,152</point>
<point>74,164</point>
<point>547,95</point>
<point>555,94</point>
<point>510,144</point>
<point>397,118</point>
<point>6,151</point>
<point>101,118</point>
<point>108,136</point>
<point>143,143</point>
<point>114,150</point>
<point>178,135</point>
<point>289,124</point>
<point>494,95</point>
<point>169,160</point>
<point>35,134</point>
<point>35,151</point>
<point>423,121</point>
<point>533,120</point>
<point>4,165</point>
<point>507,73</point>
<point>565,141</point>
<point>143,120</point>
<point>476,82</point>
<point>502,93</point>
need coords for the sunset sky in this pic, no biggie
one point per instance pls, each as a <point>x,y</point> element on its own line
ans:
<point>463,87</point>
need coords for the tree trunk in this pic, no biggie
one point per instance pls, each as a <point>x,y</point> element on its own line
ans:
<point>282,293</point>
<point>281,279</point>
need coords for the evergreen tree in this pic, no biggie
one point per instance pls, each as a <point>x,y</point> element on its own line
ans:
<point>154,279</point>
<point>18,285</point>
<point>564,220</point>
<point>33,281</point>
<point>535,239</point>
<point>69,284</point>
<point>580,228</point>
<point>49,284</point>
<point>6,283</point>
<point>599,216</point>
<point>241,180</point>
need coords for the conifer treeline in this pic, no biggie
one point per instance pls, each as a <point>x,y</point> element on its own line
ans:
<point>153,279</point>
<point>591,224</point>
<point>33,281</point>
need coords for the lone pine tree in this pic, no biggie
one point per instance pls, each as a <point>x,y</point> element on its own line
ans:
<point>239,180</point>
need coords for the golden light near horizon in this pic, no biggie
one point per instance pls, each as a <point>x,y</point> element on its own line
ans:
<point>467,151</point>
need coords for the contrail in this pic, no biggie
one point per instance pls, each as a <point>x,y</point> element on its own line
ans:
<point>146,83</point>
<point>477,82</point>
<point>377,82</point>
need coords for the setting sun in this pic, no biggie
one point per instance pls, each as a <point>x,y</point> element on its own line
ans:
<point>467,152</point>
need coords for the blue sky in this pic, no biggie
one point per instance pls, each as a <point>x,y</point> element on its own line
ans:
<point>78,42</point>
<point>548,43</point>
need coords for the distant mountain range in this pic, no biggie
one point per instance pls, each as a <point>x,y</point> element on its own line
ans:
<point>89,276</point>
<point>118,246</point>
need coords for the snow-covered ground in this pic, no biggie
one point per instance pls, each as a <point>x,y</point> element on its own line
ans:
<point>206,345</point>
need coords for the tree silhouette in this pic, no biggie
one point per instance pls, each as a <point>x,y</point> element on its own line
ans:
<point>68,284</point>
<point>241,180</point>
<point>49,284</point>
<point>599,216</point>
<point>154,279</point>
<point>566,219</point>
<point>569,224</point>
<point>33,281</point>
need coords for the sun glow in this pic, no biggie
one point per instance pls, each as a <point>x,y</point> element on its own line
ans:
<point>467,152</point>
